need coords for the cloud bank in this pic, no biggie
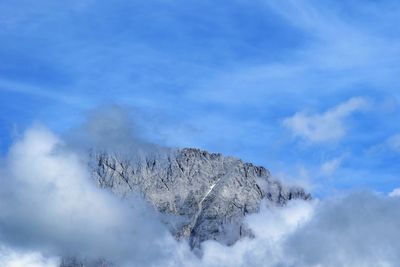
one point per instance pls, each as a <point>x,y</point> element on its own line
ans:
<point>354,230</point>
<point>13,258</point>
<point>49,204</point>
<point>49,208</point>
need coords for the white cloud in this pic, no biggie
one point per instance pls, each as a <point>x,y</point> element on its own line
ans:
<point>49,204</point>
<point>395,193</point>
<point>356,230</point>
<point>271,227</point>
<point>327,126</point>
<point>13,258</point>
<point>330,166</point>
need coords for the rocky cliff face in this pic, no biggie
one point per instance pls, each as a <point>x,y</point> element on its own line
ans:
<point>202,195</point>
<point>209,193</point>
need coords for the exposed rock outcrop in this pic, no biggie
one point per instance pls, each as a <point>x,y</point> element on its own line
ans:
<point>201,195</point>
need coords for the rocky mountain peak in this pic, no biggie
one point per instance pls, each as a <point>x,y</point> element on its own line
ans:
<point>210,193</point>
<point>203,196</point>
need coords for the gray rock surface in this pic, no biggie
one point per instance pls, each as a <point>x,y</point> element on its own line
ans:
<point>209,192</point>
<point>201,195</point>
<point>74,262</point>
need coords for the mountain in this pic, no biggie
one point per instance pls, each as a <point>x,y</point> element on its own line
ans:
<point>202,195</point>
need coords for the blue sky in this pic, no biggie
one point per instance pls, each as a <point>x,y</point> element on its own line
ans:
<point>310,89</point>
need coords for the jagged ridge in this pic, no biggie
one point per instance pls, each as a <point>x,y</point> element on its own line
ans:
<point>204,196</point>
<point>209,192</point>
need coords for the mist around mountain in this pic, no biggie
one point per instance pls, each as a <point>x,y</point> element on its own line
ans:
<point>177,207</point>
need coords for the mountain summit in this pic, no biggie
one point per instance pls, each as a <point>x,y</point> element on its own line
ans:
<point>201,195</point>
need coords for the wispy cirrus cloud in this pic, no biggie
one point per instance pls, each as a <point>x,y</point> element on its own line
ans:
<point>234,65</point>
<point>330,166</point>
<point>393,142</point>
